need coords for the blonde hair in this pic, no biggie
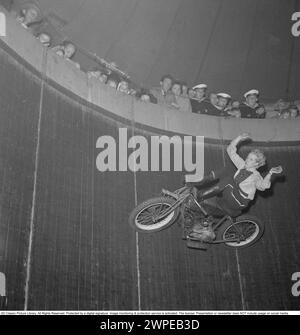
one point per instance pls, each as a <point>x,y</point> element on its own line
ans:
<point>261,158</point>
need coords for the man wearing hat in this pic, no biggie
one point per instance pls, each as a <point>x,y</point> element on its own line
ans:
<point>219,108</point>
<point>199,101</point>
<point>222,104</point>
<point>251,108</point>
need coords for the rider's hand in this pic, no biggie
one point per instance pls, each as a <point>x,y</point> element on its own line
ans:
<point>276,170</point>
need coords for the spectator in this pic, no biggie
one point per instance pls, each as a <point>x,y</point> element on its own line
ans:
<point>223,103</point>
<point>235,104</point>
<point>123,86</point>
<point>199,102</point>
<point>251,108</point>
<point>289,113</point>
<point>294,111</point>
<point>184,88</point>
<point>285,114</point>
<point>218,104</point>
<point>162,93</point>
<point>60,52</point>
<point>29,15</point>
<point>113,80</point>
<point>103,77</point>
<point>94,73</point>
<point>144,95</point>
<point>181,103</point>
<point>67,50</point>
<point>234,109</point>
<point>132,91</point>
<point>200,92</point>
<point>280,107</point>
<point>45,39</point>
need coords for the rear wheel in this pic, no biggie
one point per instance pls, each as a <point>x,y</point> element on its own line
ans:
<point>144,217</point>
<point>247,230</point>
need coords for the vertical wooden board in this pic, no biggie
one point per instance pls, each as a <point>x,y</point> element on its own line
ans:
<point>19,107</point>
<point>84,253</point>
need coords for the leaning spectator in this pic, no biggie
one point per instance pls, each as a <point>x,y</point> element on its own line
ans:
<point>181,103</point>
<point>67,50</point>
<point>60,52</point>
<point>103,77</point>
<point>162,93</point>
<point>30,14</point>
<point>113,80</point>
<point>123,86</point>
<point>45,39</point>
<point>132,91</point>
<point>94,73</point>
<point>144,95</point>
<point>251,108</point>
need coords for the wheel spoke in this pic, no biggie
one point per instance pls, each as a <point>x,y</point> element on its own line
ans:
<point>244,232</point>
<point>148,215</point>
<point>249,230</point>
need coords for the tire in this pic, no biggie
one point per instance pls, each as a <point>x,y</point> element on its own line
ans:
<point>135,218</point>
<point>252,226</point>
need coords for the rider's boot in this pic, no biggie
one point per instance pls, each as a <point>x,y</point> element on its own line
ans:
<point>209,193</point>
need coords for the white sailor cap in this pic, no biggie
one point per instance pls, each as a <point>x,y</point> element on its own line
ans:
<point>200,86</point>
<point>256,92</point>
<point>224,95</point>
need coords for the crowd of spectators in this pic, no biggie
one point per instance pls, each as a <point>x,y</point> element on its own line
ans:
<point>170,92</point>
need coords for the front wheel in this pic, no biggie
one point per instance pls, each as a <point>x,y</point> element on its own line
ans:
<point>243,233</point>
<point>144,217</point>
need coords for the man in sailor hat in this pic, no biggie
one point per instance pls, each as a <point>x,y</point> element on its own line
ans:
<point>221,105</point>
<point>199,101</point>
<point>251,108</point>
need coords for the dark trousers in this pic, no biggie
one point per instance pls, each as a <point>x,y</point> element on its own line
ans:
<point>228,194</point>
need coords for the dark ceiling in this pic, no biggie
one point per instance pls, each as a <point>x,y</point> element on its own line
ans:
<point>232,45</point>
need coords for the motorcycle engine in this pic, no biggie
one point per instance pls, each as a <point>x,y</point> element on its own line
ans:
<point>203,233</point>
<point>207,235</point>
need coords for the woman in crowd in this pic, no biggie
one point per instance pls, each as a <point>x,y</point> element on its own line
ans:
<point>181,103</point>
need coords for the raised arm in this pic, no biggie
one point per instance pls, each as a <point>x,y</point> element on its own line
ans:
<point>232,150</point>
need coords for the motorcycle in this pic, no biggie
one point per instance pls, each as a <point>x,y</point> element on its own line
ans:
<point>204,223</point>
